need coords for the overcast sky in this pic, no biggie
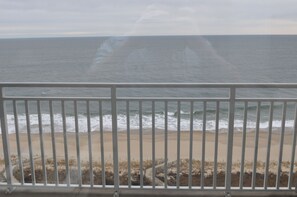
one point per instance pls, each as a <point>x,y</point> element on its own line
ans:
<point>52,18</point>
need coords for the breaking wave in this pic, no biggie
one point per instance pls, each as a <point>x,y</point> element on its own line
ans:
<point>122,123</point>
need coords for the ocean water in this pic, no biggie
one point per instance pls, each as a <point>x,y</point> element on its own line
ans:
<point>182,59</point>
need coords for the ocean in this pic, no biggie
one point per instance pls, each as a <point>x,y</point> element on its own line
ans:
<point>146,59</point>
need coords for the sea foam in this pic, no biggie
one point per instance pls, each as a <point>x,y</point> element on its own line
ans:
<point>82,121</point>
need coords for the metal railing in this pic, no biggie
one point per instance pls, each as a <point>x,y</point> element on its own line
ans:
<point>113,103</point>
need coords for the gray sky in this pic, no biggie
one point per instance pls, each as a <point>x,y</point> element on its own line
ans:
<point>51,18</point>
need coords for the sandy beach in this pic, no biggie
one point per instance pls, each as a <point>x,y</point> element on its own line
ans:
<point>159,155</point>
<point>159,145</point>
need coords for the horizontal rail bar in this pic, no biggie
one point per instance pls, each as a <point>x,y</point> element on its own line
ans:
<point>57,98</point>
<point>150,85</point>
<point>267,99</point>
<point>252,99</point>
<point>194,188</point>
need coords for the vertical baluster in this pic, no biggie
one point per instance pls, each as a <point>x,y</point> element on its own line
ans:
<point>232,96</point>
<point>191,145</point>
<point>16,123</point>
<point>266,177</point>
<point>293,150</point>
<point>153,145</point>
<point>128,143</point>
<point>243,145</point>
<point>278,177</point>
<point>256,146</point>
<point>65,143</point>
<point>166,144</point>
<point>41,142</point>
<point>53,142</point>
<point>178,146</point>
<point>203,145</point>
<point>90,144</point>
<point>77,144</point>
<point>5,140</point>
<point>30,143</point>
<point>102,144</point>
<point>115,139</point>
<point>140,144</point>
<point>216,145</point>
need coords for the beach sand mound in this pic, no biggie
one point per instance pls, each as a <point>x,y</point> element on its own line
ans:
<point>86,176</point>
<point>159,178</point>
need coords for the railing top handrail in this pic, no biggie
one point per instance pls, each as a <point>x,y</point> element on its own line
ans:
<point>147,85</point>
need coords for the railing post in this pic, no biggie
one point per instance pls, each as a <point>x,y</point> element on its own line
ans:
<point>115,139</point>
<point>5,141</point>
<point>230,141</point>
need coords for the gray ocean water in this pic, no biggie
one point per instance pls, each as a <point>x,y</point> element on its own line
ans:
<point>146,59</point>
<point>185,59</point>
